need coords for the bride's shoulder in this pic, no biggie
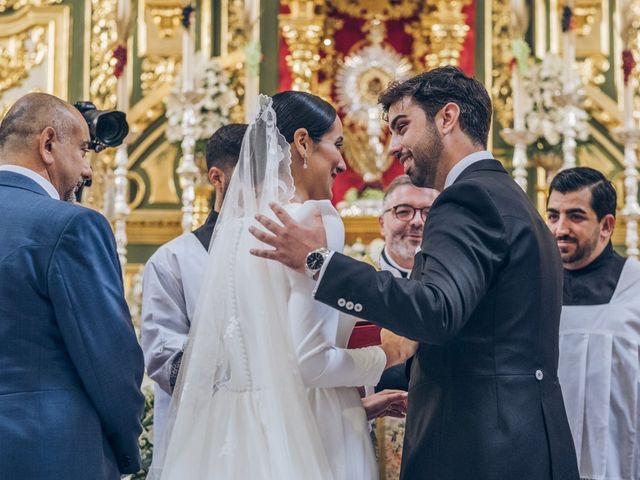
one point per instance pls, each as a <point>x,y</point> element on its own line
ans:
<point>302,212</point>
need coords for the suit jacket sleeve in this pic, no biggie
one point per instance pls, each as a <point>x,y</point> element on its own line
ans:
<point>164,321</point>
<point>463,248</point>
<point>85,286</point>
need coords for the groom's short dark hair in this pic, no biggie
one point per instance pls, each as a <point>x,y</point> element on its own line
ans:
<point>223,148</point>
<point>432,90</point>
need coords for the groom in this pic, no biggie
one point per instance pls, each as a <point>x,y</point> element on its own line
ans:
<point>483,300</point>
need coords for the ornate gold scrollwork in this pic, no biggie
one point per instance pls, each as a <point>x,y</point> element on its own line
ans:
<point>440,32</point>
<point>501,57</point>
<point>389,10</point>
<point>34,52</point>
<point>17,4</point>
<point>302,30</point>
<point>20,55</point>
<point>166,19</point>
<point>103,37</point>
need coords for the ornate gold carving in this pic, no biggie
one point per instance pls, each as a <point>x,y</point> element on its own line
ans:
<point>156,72</point>
<point>501,57</point>
<point>440,32</point>
<point>149,108</point>
<point>104,34</point>
<point>364,229</point>
<point>388,10</point>
<point>20,55</point>
<point>166,19</point>
<point>153,227</point>
<point>100,193</point>
<point>34,52</point>
<point>17,4</point>
<point>302,30</point>
<point>159,167</point>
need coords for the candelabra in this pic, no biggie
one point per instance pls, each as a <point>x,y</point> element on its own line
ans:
<point>188,171</point>
<point>569,88</point>
<point>121,183</point>
<point>519,136</point>
<point>302,30</point>
<point>629,134</point>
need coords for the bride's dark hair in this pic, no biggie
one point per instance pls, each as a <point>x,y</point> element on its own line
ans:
<point>296,110</point>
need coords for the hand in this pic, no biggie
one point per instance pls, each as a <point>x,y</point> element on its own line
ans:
<point>397,349</point>
<point>291,241</point>
<point>387,403</point>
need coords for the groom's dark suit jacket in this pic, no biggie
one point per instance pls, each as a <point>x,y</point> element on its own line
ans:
<point>484,302</point>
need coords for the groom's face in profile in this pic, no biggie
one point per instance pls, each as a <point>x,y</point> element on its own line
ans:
<point>415,141</point>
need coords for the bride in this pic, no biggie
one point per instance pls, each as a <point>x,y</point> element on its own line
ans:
<point>267,387</point>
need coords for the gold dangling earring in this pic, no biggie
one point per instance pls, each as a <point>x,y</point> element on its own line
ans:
<point>304,160</point>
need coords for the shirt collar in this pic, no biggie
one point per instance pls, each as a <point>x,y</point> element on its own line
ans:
<point>459,167</point>
<point>386,258</point>
<point>36,177</point>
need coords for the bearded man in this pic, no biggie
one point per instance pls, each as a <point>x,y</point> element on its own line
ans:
<point>599,327</point>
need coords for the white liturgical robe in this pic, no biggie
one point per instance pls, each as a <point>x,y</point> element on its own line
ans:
<point>599,372</point>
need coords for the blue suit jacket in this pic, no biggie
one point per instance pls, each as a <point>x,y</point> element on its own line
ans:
<point>70,365</point>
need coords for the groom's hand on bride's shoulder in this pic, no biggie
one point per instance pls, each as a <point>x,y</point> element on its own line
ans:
<point>291,241</point>
<point>397,349</point>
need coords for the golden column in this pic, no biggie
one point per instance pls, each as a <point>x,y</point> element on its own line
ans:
<point>302,30</point>
<point>441,32</point>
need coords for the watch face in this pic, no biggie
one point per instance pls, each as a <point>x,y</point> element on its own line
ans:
<point>315,260</point>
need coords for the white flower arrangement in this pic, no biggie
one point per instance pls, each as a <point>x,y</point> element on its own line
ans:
<point>545,112</point>
<point>215,102</point>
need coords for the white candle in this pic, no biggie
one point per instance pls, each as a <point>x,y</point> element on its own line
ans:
<point>518,109</point>
<point>188,54</point>
<point>628,105</point>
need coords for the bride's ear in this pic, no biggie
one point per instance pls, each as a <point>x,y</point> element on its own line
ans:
<point>301,142</point>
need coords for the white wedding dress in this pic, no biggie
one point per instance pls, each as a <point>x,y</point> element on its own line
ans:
<point>241,408</point>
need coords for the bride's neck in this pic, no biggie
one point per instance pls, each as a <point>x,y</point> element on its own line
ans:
<point>300,195</point>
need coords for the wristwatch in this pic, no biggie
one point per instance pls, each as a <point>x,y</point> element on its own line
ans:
<point>315,260</point>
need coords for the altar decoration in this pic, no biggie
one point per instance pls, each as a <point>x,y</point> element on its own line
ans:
<point>546,113</point>
<point>359,81</point>
<point>519,136</point>
<point>199,103</point>
<point>629,133</point>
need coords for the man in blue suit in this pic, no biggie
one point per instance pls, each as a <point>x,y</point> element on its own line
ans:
<point>71,368</point>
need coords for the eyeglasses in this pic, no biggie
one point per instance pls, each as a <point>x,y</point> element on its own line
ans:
<point>406,213</point>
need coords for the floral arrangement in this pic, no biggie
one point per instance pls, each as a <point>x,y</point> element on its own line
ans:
<point>146,437</point>
<point>544,109</point>
<point>215,99</point>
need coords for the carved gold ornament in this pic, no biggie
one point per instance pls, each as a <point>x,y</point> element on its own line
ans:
<point>17,4</point>
<point>20,55</point>
<point>388,9</point>
<point>359,82</point>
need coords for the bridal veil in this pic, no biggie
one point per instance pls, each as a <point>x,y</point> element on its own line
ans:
<point>239,409</point>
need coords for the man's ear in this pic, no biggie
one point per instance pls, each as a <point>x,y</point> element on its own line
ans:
<point>381,222</point>
<point>607,224</point>
<point>45,145</point>
<point>301,142</point>
<point>217,178</point>
<point>447,118</point>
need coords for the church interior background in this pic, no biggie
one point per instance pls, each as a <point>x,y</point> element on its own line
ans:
<point>562,75</point>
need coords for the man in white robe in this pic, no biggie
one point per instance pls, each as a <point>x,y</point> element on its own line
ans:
<point>172,279</point>
<point>599,368</point>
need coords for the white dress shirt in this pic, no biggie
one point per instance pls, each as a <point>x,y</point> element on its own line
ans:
<point>36,177</point>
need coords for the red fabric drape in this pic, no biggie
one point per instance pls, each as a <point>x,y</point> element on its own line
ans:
<point>351,37</point>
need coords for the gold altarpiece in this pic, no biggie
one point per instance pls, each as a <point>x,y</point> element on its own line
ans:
<point>65,48</point>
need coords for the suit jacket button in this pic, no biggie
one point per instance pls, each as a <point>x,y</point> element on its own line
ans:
<point>539,374</point>
<point>357,307</point>
<point>341,302</point>
<point>349,306</point>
